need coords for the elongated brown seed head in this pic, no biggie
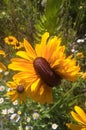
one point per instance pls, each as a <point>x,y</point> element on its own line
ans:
<point>45,72</point>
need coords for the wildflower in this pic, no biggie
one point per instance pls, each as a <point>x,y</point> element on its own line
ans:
<point>80,116</point>
<point>11,110</point>
<point>9,89</point>
<point>35,116</point>
<point>28,119</point>
<point>80,40</point>
<point>18,91</point>
<point>15,117</point>
<point>18,45</point>
<point>3,13</point>
<point>19,112</point>
<point>15,102</point>
<point>44,67</point>
<point>2,88</point>
<point>79,55</point>
<point>73,50</point>
<point>1,100</point>
<point>54,126</point>
<point>4,111</point>
<point>10,40</point>
<point>6,73</point>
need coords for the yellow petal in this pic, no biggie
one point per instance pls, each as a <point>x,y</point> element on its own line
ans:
<point>75,127</point>
<point>47,94</point>
<point>21,65</point>
<point>30,51</point>
<point>23,54</point>
<point>44,38</point>
<point>83,128</point>
<point>2,53</point>
<point>77,118</point>
<point>21,60</point>
<point>81,113</point>
<point>41,92</point>
<point>41,48</point>
<point>2,66</point>
<point>35,86</point>
<point>14,97</point>
<point>51,47</point>
<point>11,84</point>
<point>11,93</point>
<point>28,77</point>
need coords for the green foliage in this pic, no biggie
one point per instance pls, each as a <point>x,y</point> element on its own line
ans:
<point>64,18</point>
<point>65,97</point>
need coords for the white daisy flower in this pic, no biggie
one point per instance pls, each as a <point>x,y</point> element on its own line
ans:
<point>28,119</point>
<point>2,88</point>
<point>4,111</point>
<point>15,117</point>
<point>54,126</point>
<point>11,110</point>
<point>15,102</point>
<point>35,115</point>
<point>6,73</point>
<point>80,40</point>
<point>1,100</point>
<point>73,50</point>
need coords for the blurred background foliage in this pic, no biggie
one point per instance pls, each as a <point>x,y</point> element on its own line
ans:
<point>31,18</point>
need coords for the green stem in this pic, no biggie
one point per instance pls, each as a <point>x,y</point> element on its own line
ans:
<point>62,99</point>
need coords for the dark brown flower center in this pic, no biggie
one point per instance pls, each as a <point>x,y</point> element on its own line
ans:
<point>46,73</point>
<point>17,44</point>
<point>10,40</point>
<point>20,89</point>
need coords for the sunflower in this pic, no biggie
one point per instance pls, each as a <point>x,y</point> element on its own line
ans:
<point>10,40</point>
<point>17,90</point>
<point>44,67</point>
<point>80,117</point>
